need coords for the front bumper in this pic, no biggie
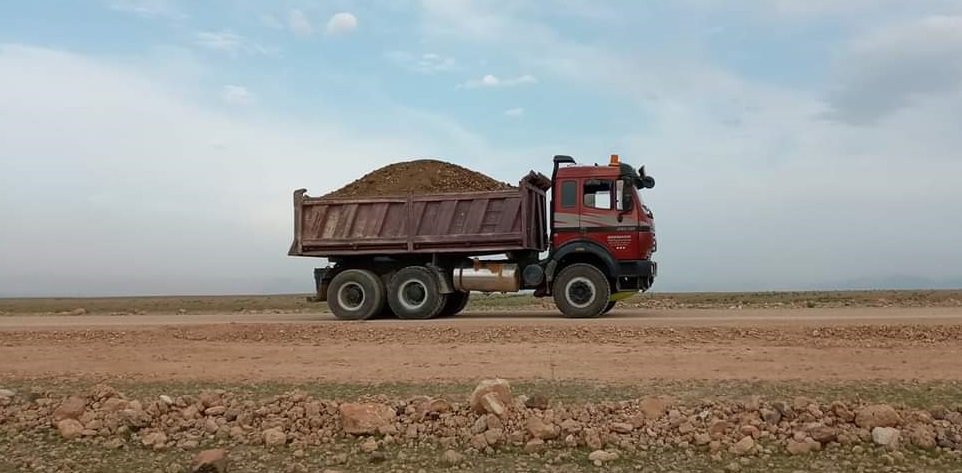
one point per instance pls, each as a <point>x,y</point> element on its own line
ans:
<point>637,275</point>
<point>638,268</point>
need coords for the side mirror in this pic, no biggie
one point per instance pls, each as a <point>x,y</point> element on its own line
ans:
<point>644,181</point>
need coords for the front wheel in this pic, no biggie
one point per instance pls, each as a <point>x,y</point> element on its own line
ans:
<point>355,294</point>
<point>581,291</point>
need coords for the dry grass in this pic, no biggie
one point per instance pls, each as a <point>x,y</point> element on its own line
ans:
<point>910,394</point>
<point>49,453</point>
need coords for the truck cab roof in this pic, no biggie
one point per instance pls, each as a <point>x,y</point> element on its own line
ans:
<point>613,170</point>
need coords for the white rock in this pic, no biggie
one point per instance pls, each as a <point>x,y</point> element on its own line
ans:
<point>499,387</point>
<point>70,428</point>
<point>886,436</point>
<point>602,456</point>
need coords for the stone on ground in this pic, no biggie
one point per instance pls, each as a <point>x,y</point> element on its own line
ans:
<point>498,387</point>
<point>879,415</point>
<point>210,461</point>
<point>366,418</point>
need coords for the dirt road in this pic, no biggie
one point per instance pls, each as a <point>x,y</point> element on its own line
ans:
<point>813,344</point>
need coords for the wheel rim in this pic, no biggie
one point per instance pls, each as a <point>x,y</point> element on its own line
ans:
<point>351,296</point>
<point>413,295</point>
<point>580,292</point>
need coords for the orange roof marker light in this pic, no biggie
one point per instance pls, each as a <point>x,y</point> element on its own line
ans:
<point>614,160</point>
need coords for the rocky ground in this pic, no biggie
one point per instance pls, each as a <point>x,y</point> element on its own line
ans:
<point>847,389</point>
<point>293,431</point>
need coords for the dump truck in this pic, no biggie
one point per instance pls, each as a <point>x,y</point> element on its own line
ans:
<point>422,256</point>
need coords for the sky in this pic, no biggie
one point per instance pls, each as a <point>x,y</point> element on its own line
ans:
<point>153,146</point>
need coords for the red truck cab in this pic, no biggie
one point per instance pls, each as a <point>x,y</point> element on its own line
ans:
<point>598,218</point>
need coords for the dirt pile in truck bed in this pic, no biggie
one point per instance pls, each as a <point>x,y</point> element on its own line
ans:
<point>419,177</point>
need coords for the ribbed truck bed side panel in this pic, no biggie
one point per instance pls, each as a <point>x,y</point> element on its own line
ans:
<point>477,222</point>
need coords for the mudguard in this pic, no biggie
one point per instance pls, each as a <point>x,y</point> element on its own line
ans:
<point>583,246</point>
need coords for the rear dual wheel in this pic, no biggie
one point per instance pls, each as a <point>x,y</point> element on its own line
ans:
<point>415,293</point>
<point>356,294</point>
<point>456,302</point>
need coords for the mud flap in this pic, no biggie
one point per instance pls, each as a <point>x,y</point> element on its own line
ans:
<point>322,279</point>
<point>444,277</point>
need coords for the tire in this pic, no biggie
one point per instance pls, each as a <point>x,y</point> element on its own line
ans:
<point>386,313</point>
<point>611,305</point>
<point>415,293</point>
<point>356,294</point>
<point>457,301</point>
<point>581,291</point>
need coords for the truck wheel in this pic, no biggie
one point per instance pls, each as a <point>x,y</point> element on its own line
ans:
<point>457,301</point>
<point>386,313</point>
<point>356,294</point>
<point>581,290</point>
<point>415,293</point>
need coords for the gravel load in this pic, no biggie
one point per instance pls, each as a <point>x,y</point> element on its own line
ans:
<point>419,177</point>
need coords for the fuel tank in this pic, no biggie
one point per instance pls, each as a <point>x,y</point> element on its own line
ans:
<point>488,276</point>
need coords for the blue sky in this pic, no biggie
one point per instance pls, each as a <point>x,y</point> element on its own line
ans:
<point>152,145</point>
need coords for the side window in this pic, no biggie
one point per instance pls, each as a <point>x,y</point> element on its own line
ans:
<point>598,194</point>
<point>569,193</point>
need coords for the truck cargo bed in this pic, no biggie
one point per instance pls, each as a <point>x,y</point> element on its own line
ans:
<point>471,223</point>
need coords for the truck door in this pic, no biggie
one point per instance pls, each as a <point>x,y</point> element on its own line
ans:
<point>608,217</point>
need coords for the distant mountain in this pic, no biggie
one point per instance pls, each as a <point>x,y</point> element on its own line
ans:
<point>893,282</point>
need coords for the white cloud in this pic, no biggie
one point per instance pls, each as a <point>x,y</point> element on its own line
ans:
<point>271,21</point>
<point>299,23</point>
<point>427,63</point>
<point>800,200</point>
<point>514,112</point>
<point>891,67</point>
<point>146,8</point>
<point>154,178</point>
<point>237,95</point>
<point>490,80</point>
<point>342,23</point>
<point>222,40</point>
<point>793,10</point>
<point>229,42</point>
